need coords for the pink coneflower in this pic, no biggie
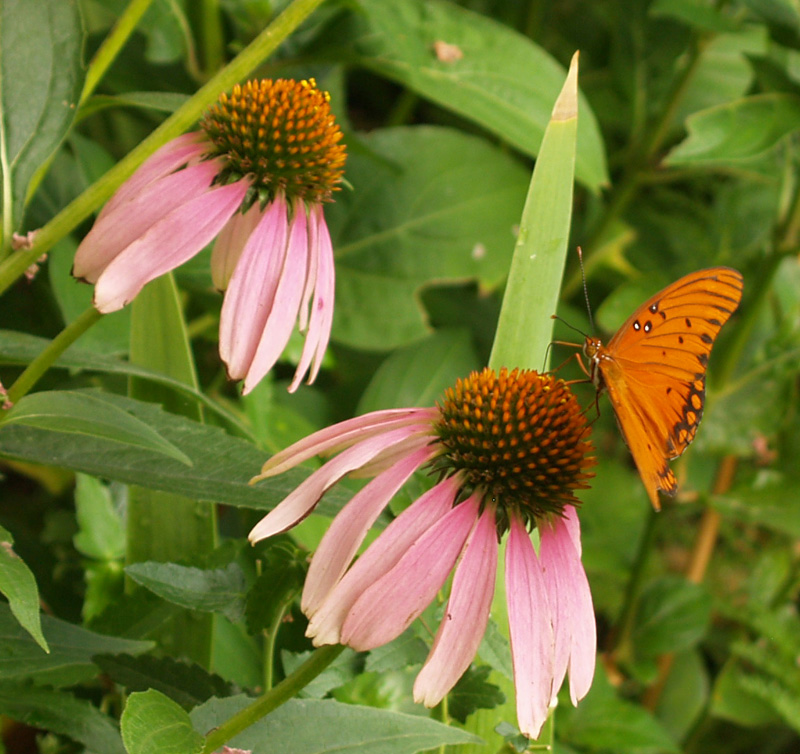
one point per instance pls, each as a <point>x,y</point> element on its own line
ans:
<point>254,177</point>
<point>509,451</point>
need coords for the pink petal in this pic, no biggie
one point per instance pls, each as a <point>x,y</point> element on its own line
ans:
<point>343,435</point>
<point>230,243</point>
<point>570,518</point>
<point>465,617</point>
<point>381,556</point>
<point>285,305</point>
<point>530,630</point>
<point>251,290</point>
<point>302,500</point>
<point>313,267</point>
<point>572,611</point>
<point>392,603</point>
<point>168,243</point>
<point>117,229</point>
<point>347,532</point>
<point>321,319</point>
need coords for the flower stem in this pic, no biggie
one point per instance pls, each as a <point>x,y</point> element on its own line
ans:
<point>47,357</point>
<point>284,691</point>
<point>83,206</point>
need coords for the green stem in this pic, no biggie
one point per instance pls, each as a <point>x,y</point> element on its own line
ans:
<point>83,206</point>
<point>211,38</point>
<point>112,44</point>
<point>47,357</point>
<point>269,651</point>
<point>284,691</point>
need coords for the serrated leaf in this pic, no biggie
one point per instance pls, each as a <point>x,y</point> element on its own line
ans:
<point>219,590</point>
<point>82,414</point>
<point>62,713</point>
<point>473,692</point>
<point>283,573</point>
<point>312,726</point>
<point>41,42</point>
<point>71,651</point>
<point>18,584</point>
<point>510,94</point>
<point>343,669</point>
<point>496,651</point>
<point>151,722</point>
<point>407,649</point>
<point>184,683</point>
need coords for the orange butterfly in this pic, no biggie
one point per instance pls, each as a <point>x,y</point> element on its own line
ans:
<point>654,369</point>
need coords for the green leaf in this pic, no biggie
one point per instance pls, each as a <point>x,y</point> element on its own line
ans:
<point>771,503</point>
<point>344,668</point>
<point>685,695</point>
<point>41,43</point>
<point>101,535</point>
<point>673,615</point>
<point>696,14</point>
<point>71,651</point>
<point>312,726</point>
<point>151,722</point>
<point>62,713</point>
<point>473,692</point>
<point>510,94</point>
<point>162,102</point>
<point>82,414</point>
<point>18,584</point>
<point>496,651</point>
<point>221,469</point>
<point>281,580</point>
<point>407,649</point>
<point>737,131</point>
<point>433,217</point>
<point>219,590</point>
<point>184,683</point>
<point>733,700</point>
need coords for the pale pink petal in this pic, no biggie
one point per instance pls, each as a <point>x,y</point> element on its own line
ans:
<point>530,630</point>
<point>321,318</point>
<point>251,289</point>
<point>168,243</point>
<point>285,305</point>
<point>387,458</point>
<point>573,526</point>
<point>343,435</point>
<point>572,611</point>
<point>117,230</point>
<point>381,556</point>
<point>347,532</point>
<point>230,243</point>
<point>313,267</point>
<point>304,498</point>
<point>465,617</point>
<point>391,604</point>
<point>171,156</point>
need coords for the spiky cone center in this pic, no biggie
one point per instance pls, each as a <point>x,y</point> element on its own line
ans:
<point>280,134</point>
<point>518,436</point>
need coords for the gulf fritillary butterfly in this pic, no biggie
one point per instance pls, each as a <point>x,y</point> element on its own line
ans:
<point>654,369</point>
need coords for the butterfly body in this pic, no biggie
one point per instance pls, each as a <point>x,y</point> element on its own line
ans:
<point>654,369</point>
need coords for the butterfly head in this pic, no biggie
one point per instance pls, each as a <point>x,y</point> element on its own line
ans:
<point>592,350</point>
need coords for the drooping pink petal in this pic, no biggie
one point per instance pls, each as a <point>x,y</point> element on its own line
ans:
<point>313,269</point>
<point>389,457</point>
<point>381,556</point>
<point>251,290</point>
<point>343,435</point>
<point>572,611</point>
<point>574,527</point>
<point>230,243</point>
<point>530,630</point>
<point>285,305</point>
<point>116,230</point>
<point>168,243</point>
<point>347,532</point>
<point>321,318</point>
<point>171,156</point>
<point>391,604</point>
<point>465,616</point>
<point>304,498</point>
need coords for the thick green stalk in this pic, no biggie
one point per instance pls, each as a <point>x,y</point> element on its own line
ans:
<point>182,119</point>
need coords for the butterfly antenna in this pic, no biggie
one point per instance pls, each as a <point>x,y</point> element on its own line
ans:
<point>585,289</point>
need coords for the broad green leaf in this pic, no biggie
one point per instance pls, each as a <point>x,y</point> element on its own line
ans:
<point>510,93</point>
<point>736,131</point>
<point>62,713</point>
<point>695,13</point>
<point>101,535</point>
<point>221,469</point>
<point>771,503</point>
<point>419,374</point>
<point>685,694</point>
<point>79,414</point>
<point>673,615</point>
<point>420,214</point>
<point>71,651</point>
<point>219,590</point>
<point>152,722</point>
<point>312,726</point>
<point>41,78</point>
<point>18,584</point>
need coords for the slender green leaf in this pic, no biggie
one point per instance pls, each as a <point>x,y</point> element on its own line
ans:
<point>152,722</point>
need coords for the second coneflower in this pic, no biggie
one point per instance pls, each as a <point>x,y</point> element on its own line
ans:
<point>255,177</point>
<point>509,449</point>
